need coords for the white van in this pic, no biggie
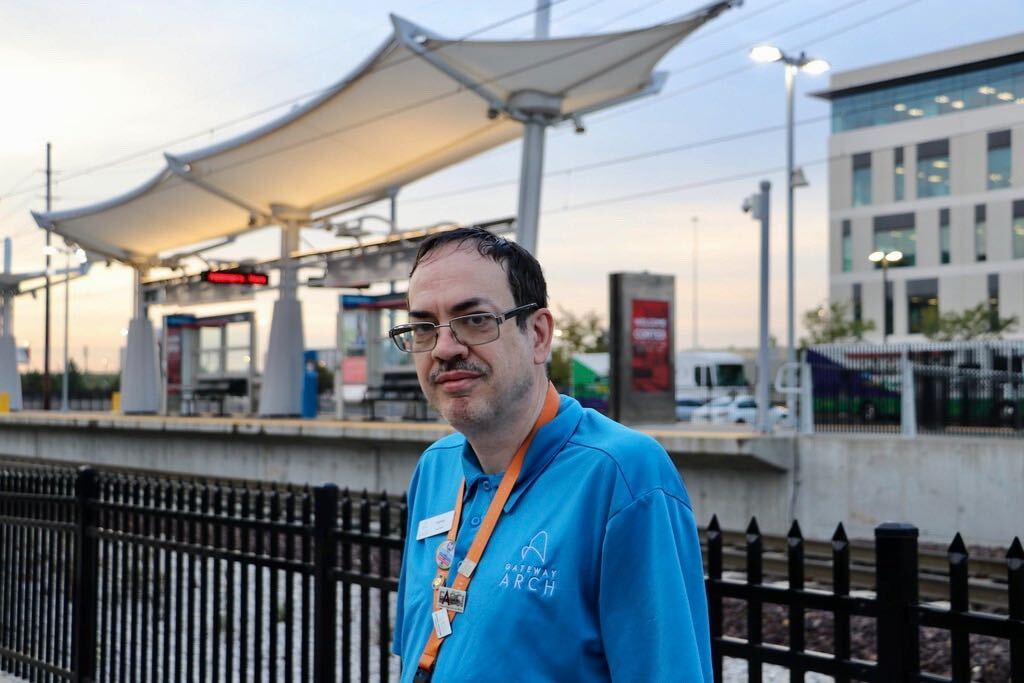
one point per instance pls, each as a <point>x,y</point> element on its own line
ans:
<point>704,375</point>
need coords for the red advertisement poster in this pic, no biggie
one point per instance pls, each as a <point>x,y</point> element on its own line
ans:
<point>649,335</point>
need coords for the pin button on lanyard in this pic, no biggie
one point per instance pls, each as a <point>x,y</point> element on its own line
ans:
<point>446,551</point>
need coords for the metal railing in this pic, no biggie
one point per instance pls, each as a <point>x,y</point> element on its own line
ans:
<point>114,576</point>
<point>956,388</point>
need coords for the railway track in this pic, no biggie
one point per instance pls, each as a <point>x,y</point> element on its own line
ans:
<point>986,576</point>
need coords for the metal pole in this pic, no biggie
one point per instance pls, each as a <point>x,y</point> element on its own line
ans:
<point>8,295</point>
<point>530,177</point>
<point>67,301</point>
<point>694,287</point>
<point>763,355</point>
<point>542,20</point>
<point>885,301</point>
<point>791,399</point>
<point>46,314</point>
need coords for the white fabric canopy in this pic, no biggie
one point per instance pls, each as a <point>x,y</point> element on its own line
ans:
<point>418,104</point>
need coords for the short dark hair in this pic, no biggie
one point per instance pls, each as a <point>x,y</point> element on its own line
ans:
<point>525,276</point>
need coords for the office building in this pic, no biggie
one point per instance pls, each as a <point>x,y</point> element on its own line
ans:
<point>926,157</point>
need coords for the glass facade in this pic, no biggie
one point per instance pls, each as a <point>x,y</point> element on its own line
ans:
<point>897,233</point>
<point>1018,229</point>
<point>847,248</point>
<point>898,172</point>
<point>999,162</point>
<point>985,85</point>
<point>858,305</point>
<point>933,169</point>
<point>862,179</point>
<point>980,234</point>
<point>944,236</point>
<point>922,305</point>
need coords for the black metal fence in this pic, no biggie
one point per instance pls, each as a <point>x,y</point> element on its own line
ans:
<point>120,577</point>
<point>955,388</point>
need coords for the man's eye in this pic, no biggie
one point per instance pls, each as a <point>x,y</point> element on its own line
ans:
<point>476,320</point>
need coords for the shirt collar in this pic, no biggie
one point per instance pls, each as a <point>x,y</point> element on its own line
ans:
<point>546,445</point>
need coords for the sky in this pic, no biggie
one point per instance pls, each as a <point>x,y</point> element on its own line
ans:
<point>113,85</point>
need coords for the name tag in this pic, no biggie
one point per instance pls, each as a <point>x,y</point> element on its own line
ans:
<point>452,599</point>
<point>432,526</point>
<point>442,627</point>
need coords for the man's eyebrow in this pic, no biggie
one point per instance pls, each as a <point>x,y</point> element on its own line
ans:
<point>425,315</point>
<point>473,303</point>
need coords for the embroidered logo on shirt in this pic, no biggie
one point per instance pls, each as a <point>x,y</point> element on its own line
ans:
<point>531,574</point>
<point>538,546</point>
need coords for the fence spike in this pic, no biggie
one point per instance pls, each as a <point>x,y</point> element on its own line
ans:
<point>753,529</point>
<point>957,549</point>
<point>840,535</point>
<point>713,525</point>
<point>1015,555</point>
<point>794,532</point>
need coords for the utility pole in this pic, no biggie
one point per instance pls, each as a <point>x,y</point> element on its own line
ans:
<point>694,287</point>
<point>46,326</point>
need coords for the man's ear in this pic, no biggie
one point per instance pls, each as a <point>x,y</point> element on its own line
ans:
<point>542,327</point>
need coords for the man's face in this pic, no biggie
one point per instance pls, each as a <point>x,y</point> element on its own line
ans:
<point>470,386</point>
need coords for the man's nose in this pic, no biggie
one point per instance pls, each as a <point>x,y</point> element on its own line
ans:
<point>448,346</point>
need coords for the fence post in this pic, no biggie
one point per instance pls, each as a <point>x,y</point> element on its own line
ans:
<point>325,560</point>
<point>896,586</point>
<point>908,405</point>
<point>84,597</point>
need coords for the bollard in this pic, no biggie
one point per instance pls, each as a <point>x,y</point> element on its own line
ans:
<point>5,403</point>
<point>115,402</point>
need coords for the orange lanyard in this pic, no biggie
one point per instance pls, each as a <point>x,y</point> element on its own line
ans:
<point>476,549</point>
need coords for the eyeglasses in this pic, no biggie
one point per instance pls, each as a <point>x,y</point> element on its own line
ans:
<point>469,330</point>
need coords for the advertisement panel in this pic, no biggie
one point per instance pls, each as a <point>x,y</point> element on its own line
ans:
<point>651,361</point>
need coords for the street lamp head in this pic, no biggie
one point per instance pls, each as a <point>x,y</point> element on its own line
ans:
<point>815,66</point>
<point>798,179</point>
<point>765,53</point>
<point>876,256</point>
<point>894,256</point>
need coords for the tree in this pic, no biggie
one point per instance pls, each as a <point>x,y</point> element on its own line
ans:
<point>980,322</point>
<point>833,322</point>
<point>575,334</point>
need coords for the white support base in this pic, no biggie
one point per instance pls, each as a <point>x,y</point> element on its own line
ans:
<point>281,395</point>
<point>10,380</point>
<point>140,376</point>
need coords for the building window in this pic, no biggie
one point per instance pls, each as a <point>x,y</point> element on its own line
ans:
<point>1018,229</point>
<point>980,234</point>
<point>944,236</point>
<point>847,248</point>
<point>858,307</point>
<point>930,95</point>
<point>897,175</point>
<point>999,164</point>
<point>922,305</point>
<point>993,301</point>
<point>933,169</point>
<point>862,179</point>
<point>896,233</point>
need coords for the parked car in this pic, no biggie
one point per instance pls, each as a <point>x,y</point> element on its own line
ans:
<point>734,409</point>
<point>685,408</point>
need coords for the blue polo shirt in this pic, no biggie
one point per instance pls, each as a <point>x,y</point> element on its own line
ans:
<point>593,573</point>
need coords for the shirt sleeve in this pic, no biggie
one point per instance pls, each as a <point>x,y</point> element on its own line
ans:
<point>652,601</point>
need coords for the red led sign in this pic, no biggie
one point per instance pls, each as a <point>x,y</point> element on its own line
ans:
<point>227,277</point>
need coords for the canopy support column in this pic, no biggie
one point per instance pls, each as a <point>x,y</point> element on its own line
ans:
<point>281,395</point>
<point>10,380</point>
<point>536,111</point>
<point>140,376</point>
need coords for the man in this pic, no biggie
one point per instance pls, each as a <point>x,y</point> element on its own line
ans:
<point>571,553</point>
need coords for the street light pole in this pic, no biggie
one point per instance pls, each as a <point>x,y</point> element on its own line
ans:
<point>884,259</point>
<point>794,178</point>
<point>790,246</point>
<point>67,301</point>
